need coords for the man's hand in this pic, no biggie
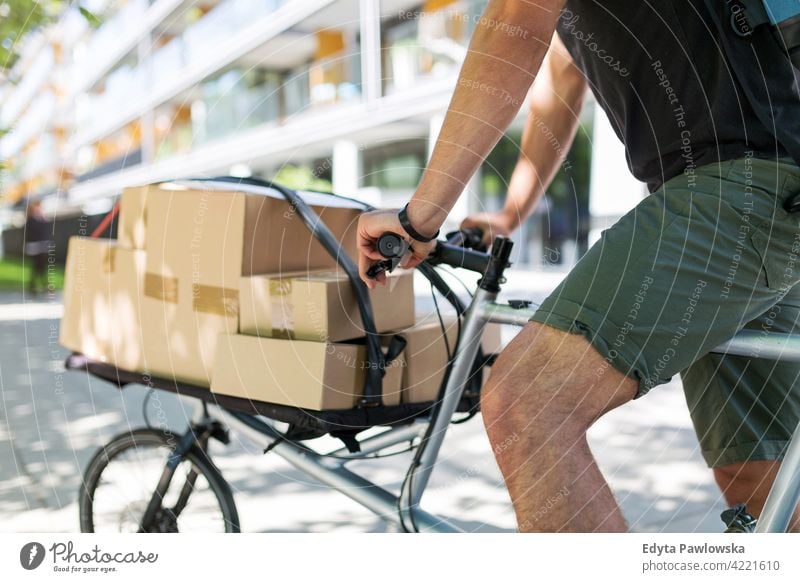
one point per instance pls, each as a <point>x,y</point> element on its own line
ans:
<point>371,225</point>
<point>492,224</point>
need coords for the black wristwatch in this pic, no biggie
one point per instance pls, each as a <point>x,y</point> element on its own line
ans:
<point>412,232</point>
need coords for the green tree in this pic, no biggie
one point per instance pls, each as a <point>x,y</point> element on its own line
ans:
<point>18,18</point>
<point>301,178</point>
<point>21,17</point>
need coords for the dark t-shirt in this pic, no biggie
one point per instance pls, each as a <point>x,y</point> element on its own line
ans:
<point>657,70</point>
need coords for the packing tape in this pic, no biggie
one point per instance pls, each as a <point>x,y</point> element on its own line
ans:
<point>161,288</point>
<point>215,300</point>
<point>109,259</point>
<point>281,308</point>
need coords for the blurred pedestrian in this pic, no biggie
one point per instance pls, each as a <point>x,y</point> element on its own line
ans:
<point>37,243</point>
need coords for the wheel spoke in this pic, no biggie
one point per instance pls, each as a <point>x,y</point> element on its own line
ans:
<point>120,486</point>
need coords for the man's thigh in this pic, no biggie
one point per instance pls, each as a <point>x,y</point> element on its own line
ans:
<point>684,271</point>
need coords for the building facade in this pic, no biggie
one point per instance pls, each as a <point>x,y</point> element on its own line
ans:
<point>346,94</point>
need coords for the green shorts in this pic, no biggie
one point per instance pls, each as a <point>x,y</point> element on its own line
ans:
<point>708,254</point>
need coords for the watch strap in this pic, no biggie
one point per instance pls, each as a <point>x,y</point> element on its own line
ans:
<point>412,232</point>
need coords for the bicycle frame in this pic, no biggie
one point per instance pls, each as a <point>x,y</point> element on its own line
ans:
<point>405,506</point>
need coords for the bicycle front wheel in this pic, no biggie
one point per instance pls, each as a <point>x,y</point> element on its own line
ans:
<point>121,478</point>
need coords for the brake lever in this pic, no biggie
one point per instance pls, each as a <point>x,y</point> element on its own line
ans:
<point>382,266</point>
<point>391,246</point>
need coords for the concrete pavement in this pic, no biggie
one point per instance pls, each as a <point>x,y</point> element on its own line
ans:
<point>52,421</point>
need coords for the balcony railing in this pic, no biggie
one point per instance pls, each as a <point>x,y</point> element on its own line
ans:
<point>236,101</point>
<point>37,75</point>
<point>336,79</point>
<point>114,32</point>
<point>40,112</point>
<point>130,84</point>
<point>432,45</point>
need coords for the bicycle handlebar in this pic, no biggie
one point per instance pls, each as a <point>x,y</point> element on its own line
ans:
<point>457,251</point>
<point>468,238</point>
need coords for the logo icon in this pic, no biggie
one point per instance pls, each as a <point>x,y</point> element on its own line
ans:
<point>31,555</point>
<point>739,21</point>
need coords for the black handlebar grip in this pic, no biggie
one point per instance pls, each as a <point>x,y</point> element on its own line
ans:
<point>391,245</point>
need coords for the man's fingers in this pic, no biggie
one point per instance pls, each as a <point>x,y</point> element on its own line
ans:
<point>363,266</point>
<point>367,246</point>
<point>372,253</point>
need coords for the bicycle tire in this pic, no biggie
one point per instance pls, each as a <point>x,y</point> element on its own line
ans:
<point>153,437</point>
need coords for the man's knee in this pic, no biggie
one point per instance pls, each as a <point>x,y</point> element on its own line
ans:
<point>555,376</point>
<point>747,482</point>
<point>750,483</point>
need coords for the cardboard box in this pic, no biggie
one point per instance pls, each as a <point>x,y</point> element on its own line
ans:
<point>311,375</point>
<point>218,236</point>
<point>426,355</point>
<point>393,378</point>
<point>199,244</point>
<point>182,322</point>
<point>321,306</point>
<point>102,292</point>
<point>132,218</point>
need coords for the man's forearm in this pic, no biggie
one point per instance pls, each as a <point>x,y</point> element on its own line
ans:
<point>549,131</point>
<point>504,56</point>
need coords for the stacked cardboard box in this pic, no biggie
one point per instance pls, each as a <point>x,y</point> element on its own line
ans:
<point>198,267</point>
<point>427,354</point>
<point>321,306</point>
<point>102,298</point>
<point>307,374</point>
<point>200,243</point>
<point>306,345</point>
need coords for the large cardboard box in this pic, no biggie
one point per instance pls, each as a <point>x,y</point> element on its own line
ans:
<point>218,236</point>
<point>182,322</point>
<point>200,242</point>
<point>102,292</point>
<point>426,355</point>
<point>311,375</point>
<point>132,218</point>
<point>321,306</point>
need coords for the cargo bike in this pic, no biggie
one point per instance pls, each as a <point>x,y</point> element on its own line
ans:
<point>185,491</point>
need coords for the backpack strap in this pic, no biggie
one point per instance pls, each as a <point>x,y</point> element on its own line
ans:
<point>765,71</point>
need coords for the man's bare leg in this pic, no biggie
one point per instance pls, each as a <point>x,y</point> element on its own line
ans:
<point>546,389</point>
<point>749,483</point>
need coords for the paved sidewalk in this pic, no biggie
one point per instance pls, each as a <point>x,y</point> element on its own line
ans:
<point>51,422</point>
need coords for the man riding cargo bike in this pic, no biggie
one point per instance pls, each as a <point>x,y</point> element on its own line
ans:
<point>700,279</point>
<point>704,95</point>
